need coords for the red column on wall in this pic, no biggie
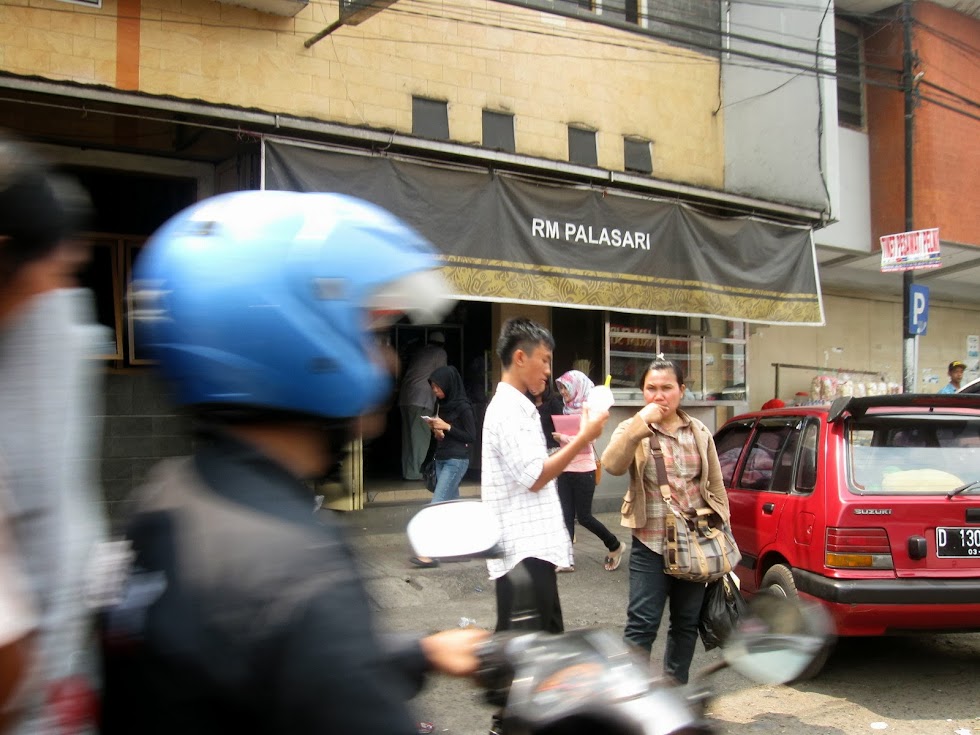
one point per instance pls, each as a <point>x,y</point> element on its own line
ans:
<point>946,156</point>
<point>128,44</point>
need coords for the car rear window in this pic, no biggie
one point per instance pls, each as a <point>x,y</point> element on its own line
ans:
<point>913,455</point>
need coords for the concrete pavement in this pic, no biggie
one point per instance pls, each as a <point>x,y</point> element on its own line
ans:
<point>411,599</point>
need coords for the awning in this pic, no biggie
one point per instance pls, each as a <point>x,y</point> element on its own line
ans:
<point>504,238</point>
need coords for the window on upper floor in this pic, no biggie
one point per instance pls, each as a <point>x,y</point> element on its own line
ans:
<point>582,146</point>
<point>695,25</point>
<point>636,155</point>
<point>850,69</point>
<point>430,118</point>
<point>498,131</point>
<point>622,10</point>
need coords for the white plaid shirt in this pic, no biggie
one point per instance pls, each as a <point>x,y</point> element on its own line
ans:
<point>514,452</point>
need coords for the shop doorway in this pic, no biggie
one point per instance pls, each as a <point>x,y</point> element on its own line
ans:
<point>469,348</point>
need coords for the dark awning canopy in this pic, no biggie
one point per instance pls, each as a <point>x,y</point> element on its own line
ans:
<point>503,238</point>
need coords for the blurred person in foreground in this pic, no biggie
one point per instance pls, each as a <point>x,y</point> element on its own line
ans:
<point>695,480</point>
<point>244,611</point>
<point>48,443</point>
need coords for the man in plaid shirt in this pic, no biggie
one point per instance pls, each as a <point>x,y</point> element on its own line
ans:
<point>518,475</point>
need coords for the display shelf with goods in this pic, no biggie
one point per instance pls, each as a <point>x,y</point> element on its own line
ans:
<point>826,383</point>
<point>711,352</point>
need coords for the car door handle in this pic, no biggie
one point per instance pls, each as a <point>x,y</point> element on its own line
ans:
<point>768,508</point>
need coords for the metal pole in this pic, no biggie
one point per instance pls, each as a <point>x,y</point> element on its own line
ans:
<point>909,342</point>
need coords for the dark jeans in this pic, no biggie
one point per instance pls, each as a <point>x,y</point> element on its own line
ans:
<point>538,579</point>
<point>575,491</point>
<point>650,588</point>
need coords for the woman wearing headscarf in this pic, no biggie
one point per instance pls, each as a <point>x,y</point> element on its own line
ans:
<point>454,428</point>
<point>576,485</point>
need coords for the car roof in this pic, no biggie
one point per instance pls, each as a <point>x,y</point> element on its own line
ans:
<point>858,407</point>
<point>972,387</point>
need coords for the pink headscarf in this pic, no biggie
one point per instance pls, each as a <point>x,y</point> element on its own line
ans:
<point>578,386</point>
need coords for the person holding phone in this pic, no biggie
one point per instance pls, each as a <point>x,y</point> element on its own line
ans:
<point>454,429</point>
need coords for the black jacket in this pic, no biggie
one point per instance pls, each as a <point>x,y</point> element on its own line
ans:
<point>457,411</point>
<point>244,613</point>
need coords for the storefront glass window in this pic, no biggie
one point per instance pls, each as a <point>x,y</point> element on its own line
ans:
<point>710,351</point>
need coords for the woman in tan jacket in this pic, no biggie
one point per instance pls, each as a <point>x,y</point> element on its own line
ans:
<point>694,476</point>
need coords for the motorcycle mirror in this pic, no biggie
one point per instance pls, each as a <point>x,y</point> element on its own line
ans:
<point>778,639</point>
<point>455,529</point>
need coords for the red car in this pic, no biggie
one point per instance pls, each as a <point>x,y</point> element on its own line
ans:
<point>870,506</point>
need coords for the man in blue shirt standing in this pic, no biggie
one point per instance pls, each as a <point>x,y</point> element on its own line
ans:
<point>955,372</point>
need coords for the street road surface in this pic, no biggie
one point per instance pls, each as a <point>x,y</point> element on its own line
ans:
<point>927,685</point>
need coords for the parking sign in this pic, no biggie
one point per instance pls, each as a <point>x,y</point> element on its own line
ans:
<point>918,309</point>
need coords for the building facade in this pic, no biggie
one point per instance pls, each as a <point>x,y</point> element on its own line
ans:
<point>863,335</point>
<point>707,131</point>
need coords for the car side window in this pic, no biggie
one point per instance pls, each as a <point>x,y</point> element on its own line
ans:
<point>761,463</point>
<point>782,474</point>
<point>729,443</point>
<point>806,470</point>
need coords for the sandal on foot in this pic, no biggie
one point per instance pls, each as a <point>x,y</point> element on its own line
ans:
<point>613,558</point>
<point>430,564</point>
<point>424,728</point>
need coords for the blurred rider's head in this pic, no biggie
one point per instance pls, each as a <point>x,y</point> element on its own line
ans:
<point>262,308</point>
<point>39,210</point>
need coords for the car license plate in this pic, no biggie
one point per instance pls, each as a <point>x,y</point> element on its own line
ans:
<point>958,542</point>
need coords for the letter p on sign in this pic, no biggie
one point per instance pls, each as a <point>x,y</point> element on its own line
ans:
<point>918,309</point>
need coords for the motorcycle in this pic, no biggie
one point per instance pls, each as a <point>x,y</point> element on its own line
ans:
<point>590,680</point>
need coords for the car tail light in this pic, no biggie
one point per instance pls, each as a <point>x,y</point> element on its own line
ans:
<point>858,548</point>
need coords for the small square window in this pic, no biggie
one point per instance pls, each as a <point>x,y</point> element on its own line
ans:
<point>637,156</point>
<point>430,118</point>
<point>498,131</point>
<point>582,146</point>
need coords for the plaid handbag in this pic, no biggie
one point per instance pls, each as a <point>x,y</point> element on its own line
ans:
<point>699,547</point>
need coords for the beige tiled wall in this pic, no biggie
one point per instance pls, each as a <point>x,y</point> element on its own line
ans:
<point>551,72</point>
<point>861,334</point>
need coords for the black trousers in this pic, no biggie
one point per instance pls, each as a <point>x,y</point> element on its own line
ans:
<point>575,491</point>
<point>531,591</point>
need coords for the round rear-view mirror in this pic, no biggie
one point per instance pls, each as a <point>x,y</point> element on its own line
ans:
<point>778,639</point>
<point>458,528</point>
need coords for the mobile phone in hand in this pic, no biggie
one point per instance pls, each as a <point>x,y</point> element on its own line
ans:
<point>427,418</point>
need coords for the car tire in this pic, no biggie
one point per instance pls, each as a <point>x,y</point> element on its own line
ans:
<point>778,580</point>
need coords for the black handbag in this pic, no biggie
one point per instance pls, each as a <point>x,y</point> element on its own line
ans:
<point>721,610</point>
<point>429,475</point>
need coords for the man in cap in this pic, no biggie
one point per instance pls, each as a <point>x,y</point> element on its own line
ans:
<point>955,372</point>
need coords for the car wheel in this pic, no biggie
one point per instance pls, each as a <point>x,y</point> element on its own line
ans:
<point>778,580</point>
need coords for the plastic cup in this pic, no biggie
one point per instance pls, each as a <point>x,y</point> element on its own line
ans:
<point>600,399</point>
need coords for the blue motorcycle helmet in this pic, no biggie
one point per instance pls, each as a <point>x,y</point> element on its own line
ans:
<point>266,302</point>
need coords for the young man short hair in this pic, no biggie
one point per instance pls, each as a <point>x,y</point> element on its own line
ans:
<point>518,474</point>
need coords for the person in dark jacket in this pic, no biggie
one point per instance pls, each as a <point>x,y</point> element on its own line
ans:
<point>242,610</point>
<point>454,428</point>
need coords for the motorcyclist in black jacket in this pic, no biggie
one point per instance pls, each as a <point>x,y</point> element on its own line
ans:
<point>243,611</point>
